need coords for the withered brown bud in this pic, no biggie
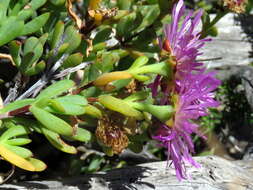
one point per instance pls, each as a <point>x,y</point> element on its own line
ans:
<point>237,6</point>
<point>111,135</point>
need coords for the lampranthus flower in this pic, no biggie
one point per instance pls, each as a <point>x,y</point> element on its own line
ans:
<point>237,6</point>
<point>182,40</point>
<point>190,89</point>
<point>191,102</point>
<point>181,44</point>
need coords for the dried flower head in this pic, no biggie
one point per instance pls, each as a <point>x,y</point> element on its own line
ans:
<point>237,6</point>
<point>111,135</point>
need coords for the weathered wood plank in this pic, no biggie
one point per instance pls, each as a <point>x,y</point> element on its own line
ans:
<point>231,44</point>
<point>215,174</point>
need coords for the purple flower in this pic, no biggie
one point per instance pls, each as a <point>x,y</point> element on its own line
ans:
<point>182,41</point>
<point>191,102</point>
<point>190,89</point>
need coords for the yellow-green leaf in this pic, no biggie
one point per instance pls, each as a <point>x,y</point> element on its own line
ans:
<point>20,151</point>
<point>15,159</point>
<point>93,111</point>
<point>120,106</point>
<point>38,164</point>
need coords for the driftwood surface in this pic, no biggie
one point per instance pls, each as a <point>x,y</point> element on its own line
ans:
<point>215,174</point>
<point>233,46</point>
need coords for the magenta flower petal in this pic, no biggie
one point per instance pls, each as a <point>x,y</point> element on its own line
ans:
<point>193,91</point>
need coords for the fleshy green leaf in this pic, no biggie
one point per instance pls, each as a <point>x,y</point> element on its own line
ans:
<point>140,61</point>
<point>38,164</point>
<point>35,4</point>
<point>102,35</point>
<point>82,135</point>
<point>56,89</point>
<point>35,24</point>
<point>15,48</point>
<point>73,38</point>
<point>142,78</point>
<point>18,141</point>
<point>57,142</point>
<point>93,111</point>
<point>68,109</point>
<point>107,61</point>
<point>95,164</point>
<point>43,38</point>
<point>15,130</point>
<point>20,151</point>
<point>37,68</point>
<point>120,106</point>
<point>3,9</point>
<point>128,23</point>
<point>163,113</point>
<point>31,44</point>
<point>31,124</point>
<point>33,50</point>
<point>16,8</point>
<point>10,29</point>
<point>137,96</point>
<point>15,159</point>
<point>52,122</point>
<point>150,13</point>
<point>69,105</point>
<point>73,99</point>
<point>58,2</point>
<point>57,34</point>
<point>124,4</point>
<point>16,105</point>
<point>73,60</point>
<point>25,14</point>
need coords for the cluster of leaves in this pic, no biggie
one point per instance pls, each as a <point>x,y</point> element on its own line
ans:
<point>103,52</point>
<point>46,45</point>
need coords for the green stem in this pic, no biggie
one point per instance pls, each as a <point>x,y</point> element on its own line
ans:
<point>218,16</point>
<point>163,113</point>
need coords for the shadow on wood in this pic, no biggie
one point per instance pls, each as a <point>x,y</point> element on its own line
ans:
<point>215,174</point>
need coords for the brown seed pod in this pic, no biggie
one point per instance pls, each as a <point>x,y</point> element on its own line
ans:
<point>111,135</point>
